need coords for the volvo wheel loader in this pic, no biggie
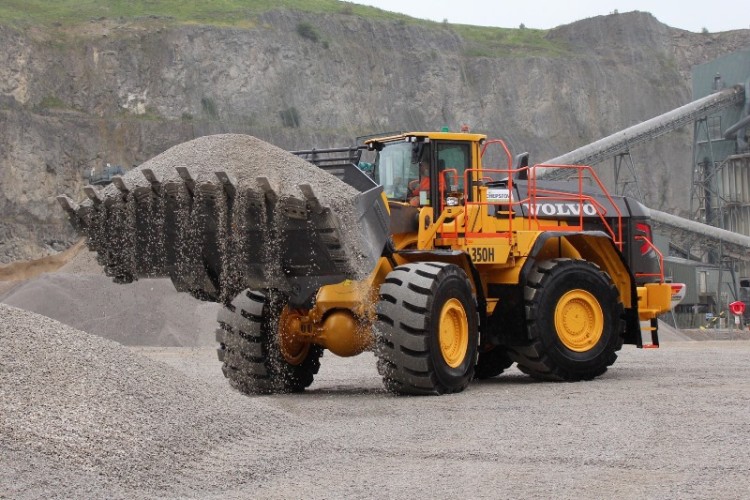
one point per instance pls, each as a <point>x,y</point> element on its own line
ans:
<point>463,269</point>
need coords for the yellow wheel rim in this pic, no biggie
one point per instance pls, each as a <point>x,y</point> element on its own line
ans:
<point>579,320</point>
<point>292,347</point>
<point>453,333</point>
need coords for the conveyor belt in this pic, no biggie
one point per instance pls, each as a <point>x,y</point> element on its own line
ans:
<point>619,142</point>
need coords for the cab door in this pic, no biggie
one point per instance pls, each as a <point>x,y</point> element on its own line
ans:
<point>452,159</point>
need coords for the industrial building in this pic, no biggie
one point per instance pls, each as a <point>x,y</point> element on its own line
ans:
<point>717,273</point>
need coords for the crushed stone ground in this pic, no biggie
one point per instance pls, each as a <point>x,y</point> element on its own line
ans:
<point>85,417</point>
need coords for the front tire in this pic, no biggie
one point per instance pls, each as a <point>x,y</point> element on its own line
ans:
<point>426,331</point>
<point>250,347</point>
<point>574,321</point>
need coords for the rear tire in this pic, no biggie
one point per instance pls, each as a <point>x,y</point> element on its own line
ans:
<point>574,321</point>
<point>426,331</point>
<point>248,337</point>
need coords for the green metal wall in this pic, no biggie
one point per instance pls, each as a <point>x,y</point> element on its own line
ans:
<point>734,70</point>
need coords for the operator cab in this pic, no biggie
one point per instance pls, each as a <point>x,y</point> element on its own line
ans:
<point>417,168</point>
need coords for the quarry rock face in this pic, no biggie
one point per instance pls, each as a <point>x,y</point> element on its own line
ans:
<point>121,92</point>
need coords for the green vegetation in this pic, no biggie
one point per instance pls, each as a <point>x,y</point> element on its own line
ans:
<point>306,30</point>
<point>215,12</point>
<point>505,42</point>
<point>151,114</point>
<point>51,102</point>
<point>62,14</point>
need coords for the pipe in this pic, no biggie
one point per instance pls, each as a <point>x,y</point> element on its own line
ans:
<point>731,131</point>
<point>619,142</point>
<point>700,228</point>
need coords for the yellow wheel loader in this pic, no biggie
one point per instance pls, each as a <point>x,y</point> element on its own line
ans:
<point>460,270</point>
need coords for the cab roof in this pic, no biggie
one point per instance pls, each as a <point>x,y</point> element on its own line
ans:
<point>439,136</point>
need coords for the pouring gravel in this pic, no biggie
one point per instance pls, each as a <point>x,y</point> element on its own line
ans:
<point>246,159</point>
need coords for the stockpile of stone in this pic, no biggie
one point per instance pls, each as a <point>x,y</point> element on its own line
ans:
<point>147,312</point>
<point>82,415</point>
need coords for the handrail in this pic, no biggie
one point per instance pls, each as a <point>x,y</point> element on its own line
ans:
<point>536,196</point>
<point>600,211</point>
<point>580,170</point>
<point>505,147</point>
<point>651,245</point>
<point>470,184</point>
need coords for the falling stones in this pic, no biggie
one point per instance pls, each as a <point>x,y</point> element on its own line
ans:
<point>226,212</point>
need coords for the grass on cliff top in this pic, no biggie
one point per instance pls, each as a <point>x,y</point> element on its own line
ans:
<point>213,12</point>
<point>495,42</point>
<point>483,41</point>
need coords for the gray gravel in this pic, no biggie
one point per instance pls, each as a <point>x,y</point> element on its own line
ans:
<point>246,158</point>
<point>85,417</point>
<point>84,262</point>
<point>243,157</point>
<point>145,312</point>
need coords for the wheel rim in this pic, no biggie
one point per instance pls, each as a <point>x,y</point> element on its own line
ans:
<point>292,348</point>
<point>579,320</point>
<point>453,333</point>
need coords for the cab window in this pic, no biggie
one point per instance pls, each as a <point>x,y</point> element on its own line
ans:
<point>395,167</point>
<point>456,158</point>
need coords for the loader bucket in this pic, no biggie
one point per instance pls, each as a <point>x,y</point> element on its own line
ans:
<point>216,233</point>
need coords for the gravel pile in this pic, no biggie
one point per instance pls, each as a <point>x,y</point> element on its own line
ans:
<point>148,312</point>
<point>80,415</point>
<point>84,262</point>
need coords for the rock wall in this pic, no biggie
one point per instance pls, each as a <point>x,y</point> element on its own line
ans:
<point>123,91</point>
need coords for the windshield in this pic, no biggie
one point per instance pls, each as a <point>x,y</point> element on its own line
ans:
<point>395,167</point>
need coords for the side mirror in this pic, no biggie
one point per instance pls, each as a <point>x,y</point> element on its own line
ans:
<point>521,162</point>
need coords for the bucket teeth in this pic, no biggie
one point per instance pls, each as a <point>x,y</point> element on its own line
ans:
<point>312,199</point>
<point>184,174</point>
<point>265,185</point>
<point>151,178</point>
<point>70,206</point>
<point>226,182</point>
<point>92,194</point>
<point>215,235</point>
<point>120,184</point>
